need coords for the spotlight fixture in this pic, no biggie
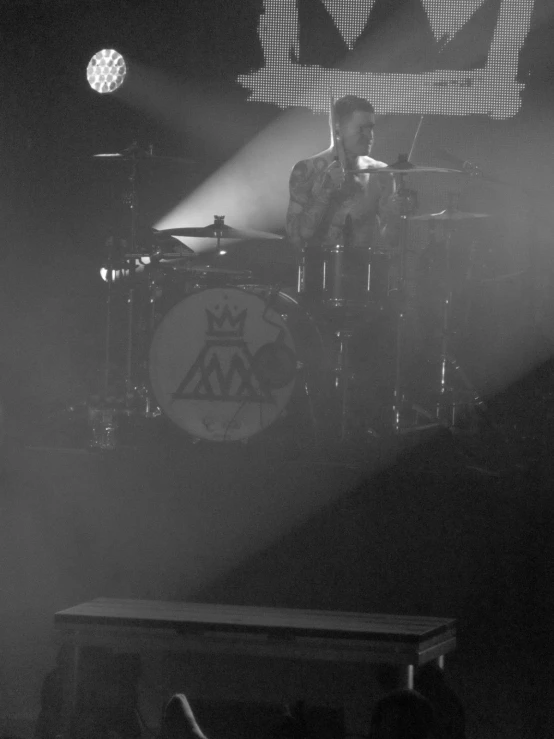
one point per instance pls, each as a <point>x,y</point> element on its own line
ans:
<point>106,71</point>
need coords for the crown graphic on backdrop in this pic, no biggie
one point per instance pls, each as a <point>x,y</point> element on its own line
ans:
<point>225,325</point>
<point>492,89</point>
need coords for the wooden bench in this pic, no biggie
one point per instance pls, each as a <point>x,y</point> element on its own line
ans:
<point>137,626</point>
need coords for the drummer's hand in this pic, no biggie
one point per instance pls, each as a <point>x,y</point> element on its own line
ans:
<point>391,207</point>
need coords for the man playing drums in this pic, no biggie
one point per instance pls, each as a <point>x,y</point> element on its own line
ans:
<point>343,223</point>
<point>329,204</point>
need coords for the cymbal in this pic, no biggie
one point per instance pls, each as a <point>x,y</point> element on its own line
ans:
<point>141,157</point>
<point>406,168</point>
<point>170,243</point>
<point>208,269</point>
<point>449,215</point>
<point>223,232</point>
<point>160,256</point>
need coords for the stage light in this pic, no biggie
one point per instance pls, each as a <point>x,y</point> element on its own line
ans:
<point>106,71</point>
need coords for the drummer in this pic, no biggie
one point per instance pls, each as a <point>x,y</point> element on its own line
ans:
<point>330,205</point>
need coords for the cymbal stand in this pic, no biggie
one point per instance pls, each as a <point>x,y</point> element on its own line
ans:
<point>101,413</point>
<point>342,377</point>
<point>132,201</point>
<point>149,408</point>
<point>407,199</point>
<point>103,419</point>
<point>219,222</point>
<point>449,400</point>
<point>108,329</point>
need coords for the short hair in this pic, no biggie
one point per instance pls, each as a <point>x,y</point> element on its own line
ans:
<point>346,106</point>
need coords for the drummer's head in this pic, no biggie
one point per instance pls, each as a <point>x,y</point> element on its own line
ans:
<point>355,120</point>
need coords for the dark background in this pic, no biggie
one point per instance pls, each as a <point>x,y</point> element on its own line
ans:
<point>425,535</point>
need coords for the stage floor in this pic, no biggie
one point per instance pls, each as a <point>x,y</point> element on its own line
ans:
<point>420,534</point>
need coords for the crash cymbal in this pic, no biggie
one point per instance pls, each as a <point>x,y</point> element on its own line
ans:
<point>449,215</point>
<point>170,243</point>
<point>214,231</point>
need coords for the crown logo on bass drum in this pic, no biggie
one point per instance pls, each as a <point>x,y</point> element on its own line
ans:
<point>225,325</point>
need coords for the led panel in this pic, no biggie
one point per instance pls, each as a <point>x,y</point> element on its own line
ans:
<point>492,89</point>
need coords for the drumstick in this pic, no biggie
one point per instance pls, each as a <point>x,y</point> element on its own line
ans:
<point>338,148</point>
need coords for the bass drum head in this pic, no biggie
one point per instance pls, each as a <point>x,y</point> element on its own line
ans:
<point>223,364</point>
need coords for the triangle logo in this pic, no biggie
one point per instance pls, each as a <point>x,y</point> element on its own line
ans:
<point>447,18</point>
<point>350,17</point>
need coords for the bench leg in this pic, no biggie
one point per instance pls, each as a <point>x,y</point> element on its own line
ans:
<point>69,696</point>
<point>408,677</point>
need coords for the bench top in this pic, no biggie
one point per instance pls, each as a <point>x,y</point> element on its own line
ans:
<point>190,618</point>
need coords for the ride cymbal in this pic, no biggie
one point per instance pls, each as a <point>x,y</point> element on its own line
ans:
<point>405,168</point>
<point>449,215</point>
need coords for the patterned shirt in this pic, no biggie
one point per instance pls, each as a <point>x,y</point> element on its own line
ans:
<point>320,215</point>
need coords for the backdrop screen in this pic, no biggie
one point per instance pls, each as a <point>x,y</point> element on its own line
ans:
<point>442,57</point>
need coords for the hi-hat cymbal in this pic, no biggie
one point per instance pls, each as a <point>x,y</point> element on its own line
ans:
<point>214,231</point>
<point>161,256</point>
<point>165,247</point>
<point>449,215</point>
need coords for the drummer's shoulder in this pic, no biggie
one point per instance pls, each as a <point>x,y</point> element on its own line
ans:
<point>313,164</point>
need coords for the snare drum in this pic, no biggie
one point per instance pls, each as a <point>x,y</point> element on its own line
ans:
<point>341,277</point>
<point>224,361</point>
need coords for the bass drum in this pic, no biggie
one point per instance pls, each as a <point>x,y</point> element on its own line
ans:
<point>225,361</point>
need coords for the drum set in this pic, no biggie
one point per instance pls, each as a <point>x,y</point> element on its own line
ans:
<point>322,350</point>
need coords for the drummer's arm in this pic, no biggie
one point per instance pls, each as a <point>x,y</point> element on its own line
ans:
<point>310,193</point>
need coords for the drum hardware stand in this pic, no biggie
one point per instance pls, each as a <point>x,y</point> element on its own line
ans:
<point>301,290</point>
<point>139,396</point>
<point>307,393</point>
<point>102,417</point>
<point>103,420</point>
<point>408,204</point>
<point>219,223</point>
<point>446,402</point>
<point>273,292</point>
<point>133,391</point>
<point>342,378</point>
<point>334,297</point>
<point>450,400</point>
<point>301,275</point>
<point>132,201</point>
<point>107,343</point>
